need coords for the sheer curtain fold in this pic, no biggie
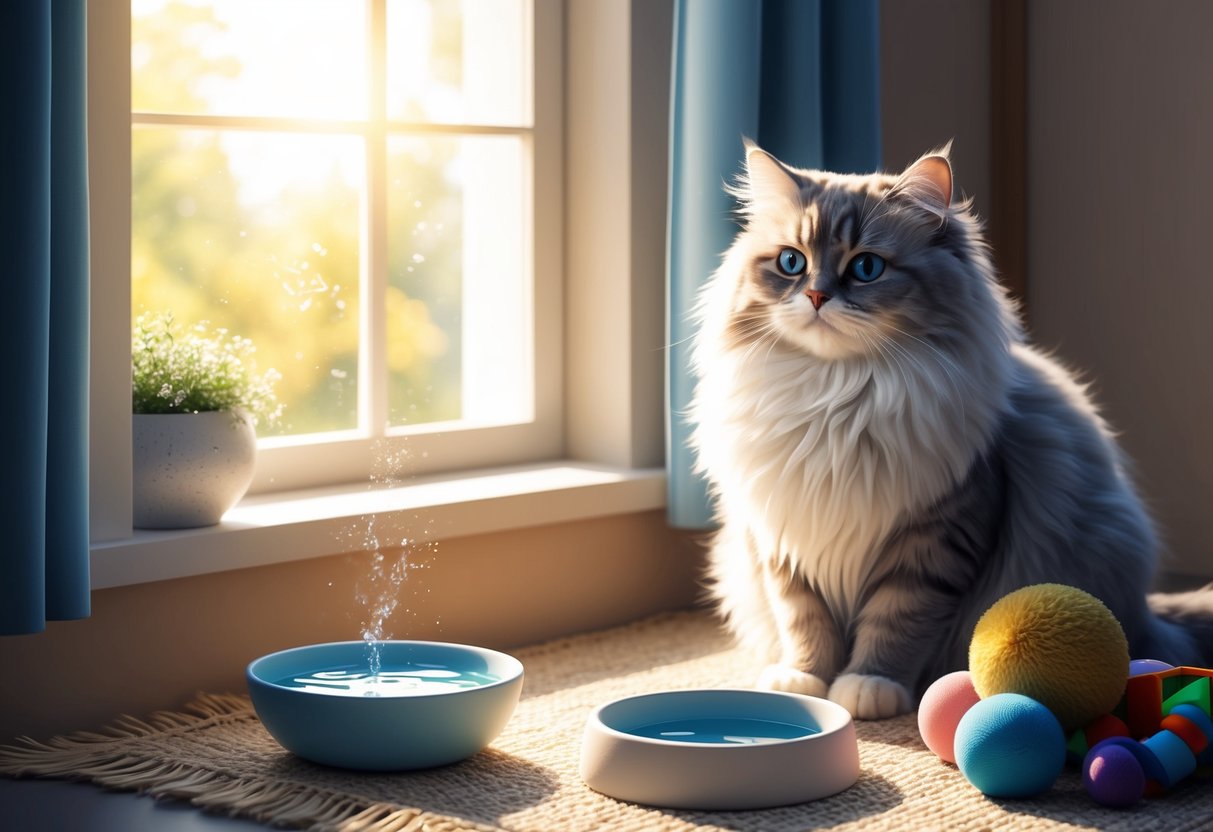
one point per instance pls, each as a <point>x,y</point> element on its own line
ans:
<point>800,77</point>
<point>44,239</point>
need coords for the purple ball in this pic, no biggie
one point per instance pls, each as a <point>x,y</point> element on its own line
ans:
<point>1139,666</point>
<point>1113,776</point>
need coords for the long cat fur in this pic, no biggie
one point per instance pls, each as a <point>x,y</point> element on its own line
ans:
<point>887,466</point>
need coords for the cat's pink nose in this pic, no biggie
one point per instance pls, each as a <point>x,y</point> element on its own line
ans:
<point>817,298</point>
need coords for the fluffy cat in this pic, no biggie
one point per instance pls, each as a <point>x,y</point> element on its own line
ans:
<point>887,454</point>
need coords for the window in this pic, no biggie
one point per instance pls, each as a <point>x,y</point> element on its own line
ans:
<point>357,186</point>
<point>596,439</point>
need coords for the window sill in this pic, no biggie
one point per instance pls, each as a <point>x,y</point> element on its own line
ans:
<point>277,528</point>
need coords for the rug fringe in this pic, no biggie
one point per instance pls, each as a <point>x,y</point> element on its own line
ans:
<point>83,756</point>
<point>29,756</point>
<point>387,818</point>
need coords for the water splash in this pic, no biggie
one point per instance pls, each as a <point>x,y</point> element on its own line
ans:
<point>380,590</point>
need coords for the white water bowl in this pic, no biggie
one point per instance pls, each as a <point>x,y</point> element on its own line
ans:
<point>719,749</point>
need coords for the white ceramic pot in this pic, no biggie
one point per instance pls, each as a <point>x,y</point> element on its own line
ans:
<point>190,468</point>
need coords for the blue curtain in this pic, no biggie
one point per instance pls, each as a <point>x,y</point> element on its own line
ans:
<point>44,242</point>
<point>800,77</point>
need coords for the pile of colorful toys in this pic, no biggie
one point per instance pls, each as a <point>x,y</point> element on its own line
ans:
<point>1049,662</point>
<point>1169,708</point>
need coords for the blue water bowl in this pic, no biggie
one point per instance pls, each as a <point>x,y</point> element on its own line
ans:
<point>431,703</point>
<point>719,749</point>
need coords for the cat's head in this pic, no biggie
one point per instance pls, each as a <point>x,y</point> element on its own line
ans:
<point>844,265</point>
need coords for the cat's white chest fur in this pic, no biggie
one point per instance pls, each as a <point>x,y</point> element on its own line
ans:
<point>823,458</point>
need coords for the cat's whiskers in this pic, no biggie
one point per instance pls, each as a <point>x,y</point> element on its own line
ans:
<point>759,331</point>
<point>893,350</point>
<point>950,368</point>
<point>670,345</point>
<point>889,355</point>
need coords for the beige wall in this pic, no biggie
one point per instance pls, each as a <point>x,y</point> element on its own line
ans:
<point>935,86</point>
<point>1120,207</point>
<point>1120,173</point>
<point>153,646</point>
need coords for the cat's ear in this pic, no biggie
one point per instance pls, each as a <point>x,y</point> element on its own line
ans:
<point>768,184</point>
<point>928,183</point>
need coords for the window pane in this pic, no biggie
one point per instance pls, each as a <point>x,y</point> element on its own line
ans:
<point>300,58</point>
<point>459,303</point>
<point>459,61</point>
<point>257,233</point>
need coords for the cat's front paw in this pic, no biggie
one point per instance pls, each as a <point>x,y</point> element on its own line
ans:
<point>870,697</point>
<point>790,680</point>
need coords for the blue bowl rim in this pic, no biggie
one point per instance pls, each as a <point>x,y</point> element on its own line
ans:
<point>516,672</point>
<point>716,748</point>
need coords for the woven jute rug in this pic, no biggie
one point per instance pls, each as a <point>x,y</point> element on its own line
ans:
<point>215,754</point>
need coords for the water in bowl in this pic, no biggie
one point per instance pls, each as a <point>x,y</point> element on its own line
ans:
<point>406,680</point>
<point>723,731</point>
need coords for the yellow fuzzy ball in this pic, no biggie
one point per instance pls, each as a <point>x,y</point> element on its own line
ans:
<point>1056,644</point>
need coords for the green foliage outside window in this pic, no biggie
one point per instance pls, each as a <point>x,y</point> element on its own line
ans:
<point>278,261</point>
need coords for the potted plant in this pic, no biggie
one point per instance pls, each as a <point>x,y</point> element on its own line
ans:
<point>197,399</point>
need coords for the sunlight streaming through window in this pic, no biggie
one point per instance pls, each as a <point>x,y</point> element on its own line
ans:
<point>256,165</point>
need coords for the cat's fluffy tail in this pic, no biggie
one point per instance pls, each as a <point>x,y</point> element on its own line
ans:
<point>1193,613</point>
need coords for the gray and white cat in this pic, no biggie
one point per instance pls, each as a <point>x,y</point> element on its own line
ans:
<point>888,456</point>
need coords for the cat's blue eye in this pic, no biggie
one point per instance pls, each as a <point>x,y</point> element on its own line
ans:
<point>866,267</point>
<point>791,262</point>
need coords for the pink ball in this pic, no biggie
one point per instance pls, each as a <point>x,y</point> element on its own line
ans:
<point>942,706</point>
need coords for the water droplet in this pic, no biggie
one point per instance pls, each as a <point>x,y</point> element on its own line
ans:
<point>418,258</point>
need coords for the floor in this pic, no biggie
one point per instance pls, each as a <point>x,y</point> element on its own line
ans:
<point>52,806</point>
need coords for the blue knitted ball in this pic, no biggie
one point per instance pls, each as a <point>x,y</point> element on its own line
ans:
<point>1009,745</point>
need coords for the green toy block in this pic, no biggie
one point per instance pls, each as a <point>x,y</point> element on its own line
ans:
<point>1195,693</point>
<point>1077,744</point>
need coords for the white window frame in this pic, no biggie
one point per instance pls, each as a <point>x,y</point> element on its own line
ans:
<point>597,450</point>
<point>347,456</point>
